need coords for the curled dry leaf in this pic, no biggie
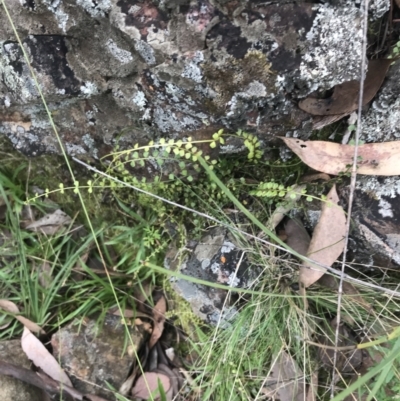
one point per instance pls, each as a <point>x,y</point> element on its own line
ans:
<point>50,223</point>
<point>333,158</point>
<point>297,236</point>
<point>9,306</point>
<point>320,122</point>
<point>41,357</point>
<point>286,380</point>
<point>159,310</point>
<point>327,241</point>
<point>148,384</point>
<point>345,96</point>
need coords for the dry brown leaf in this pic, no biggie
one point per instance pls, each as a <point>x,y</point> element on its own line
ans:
<point>334,158</point>
<point>286,380</point>
<point>12,308</point>
<point>50,223</point>
<point>313,388</point>
<point>327,241</point>
<point>93,397</point>
<point>159,310</point>
<point>41,357</point>
<point>149,381</point>
<point>297,236</point>
<point>333,283</point>
<point>345,96</point>
<point>320,122</point>
<point>315,177</point>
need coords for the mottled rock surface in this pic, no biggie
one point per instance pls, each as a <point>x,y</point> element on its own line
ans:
<point>217,259</point>
<point>130,70</point>
<point>93,354</point>
<point>12,389</point>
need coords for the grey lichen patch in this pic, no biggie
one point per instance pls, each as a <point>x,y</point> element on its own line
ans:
<point>381,123</point>
<point>146,51</point>
<point>57,8</point>
<point>379,186</point>
<point>16,79</point>
<point>192,69</point>
<point>139,98</point>
<point>333,53</point>
<point>122,55</point>
<point>168,120</point>
<point>96,8</point>
<point>379,7</point>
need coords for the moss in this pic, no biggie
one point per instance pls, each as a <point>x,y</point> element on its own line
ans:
<point>48,171</point>
<point>234,76</point>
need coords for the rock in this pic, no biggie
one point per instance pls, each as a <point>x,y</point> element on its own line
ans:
<point>376,211</point>
<point>216,259</point>
<point>129,71</point>
<point>13,389</point>
<point>92,355</point>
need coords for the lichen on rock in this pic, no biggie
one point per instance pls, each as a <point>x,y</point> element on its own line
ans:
<point>333,49</point>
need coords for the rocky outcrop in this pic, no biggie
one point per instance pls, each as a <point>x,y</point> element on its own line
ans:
<point>122,70</point>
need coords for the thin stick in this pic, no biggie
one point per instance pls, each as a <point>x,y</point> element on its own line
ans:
<point>352,188</point>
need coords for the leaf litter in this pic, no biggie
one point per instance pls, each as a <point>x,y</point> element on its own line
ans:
<point>334,158</point>
<point>327,242</point>
<point>51,223</point>
<point>344,99</point>
<point>41,357</point>
<point>12,308</point>
<point>286,381</point>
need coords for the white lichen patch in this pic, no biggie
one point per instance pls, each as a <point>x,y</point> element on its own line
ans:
<point>123,56</point>
<point>167,120</point>
<point>20,87</point>
<point>227,247</point>
<point>255,89</point>
<point>96,8</point>
<point>334,47</point>
<point>140,100</point>
<point>233,281</point>
<point>385,209</point>
<point>192,69</point>
<point>388,186</point>
<point>74,150</point>
<point>89,89</point>
<point>90,143</point>
<point>378,7</point>
<point>57,8</point>
<point>146,51</point>
<point>382,122</point>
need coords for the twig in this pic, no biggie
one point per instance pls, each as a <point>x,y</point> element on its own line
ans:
<point>42,381</point>
<point>352,187</point>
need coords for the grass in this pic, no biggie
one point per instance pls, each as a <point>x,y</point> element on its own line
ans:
<point>232,363</point>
